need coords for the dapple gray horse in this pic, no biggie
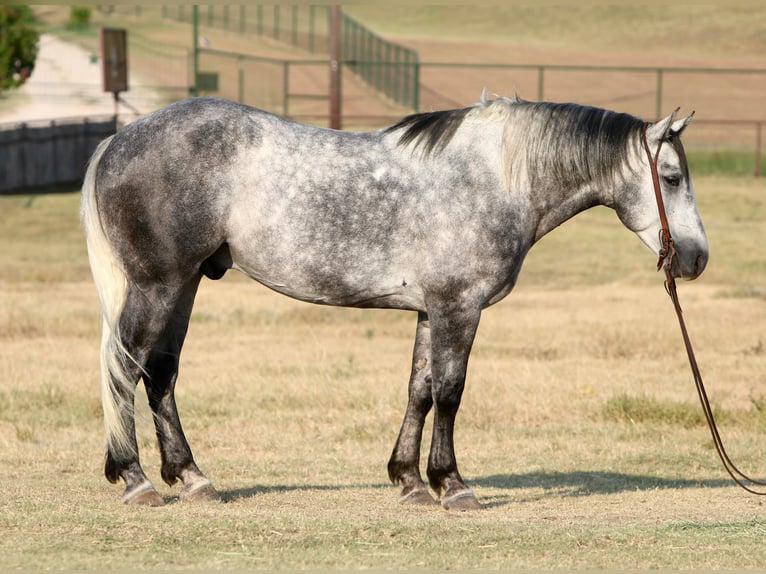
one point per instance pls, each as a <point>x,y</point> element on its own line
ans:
<point>434,214</point>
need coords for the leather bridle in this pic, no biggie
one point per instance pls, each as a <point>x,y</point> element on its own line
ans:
<point>667,252</point>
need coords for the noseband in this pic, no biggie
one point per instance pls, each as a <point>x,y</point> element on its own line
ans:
<point>667,252</point>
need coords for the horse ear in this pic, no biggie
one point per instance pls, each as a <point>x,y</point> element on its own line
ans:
<point>658,131</point>
<point>679,126</point>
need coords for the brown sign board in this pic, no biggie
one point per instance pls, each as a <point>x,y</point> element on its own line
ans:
<point>114,59</point>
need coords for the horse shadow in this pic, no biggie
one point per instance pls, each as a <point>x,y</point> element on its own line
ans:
<point>553,484</point>
<point>234,494</point>
<point>584,483</point>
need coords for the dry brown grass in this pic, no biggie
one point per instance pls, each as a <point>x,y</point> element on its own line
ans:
<point>577,429</point>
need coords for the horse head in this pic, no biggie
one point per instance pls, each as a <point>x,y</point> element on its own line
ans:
<point>637,206</point>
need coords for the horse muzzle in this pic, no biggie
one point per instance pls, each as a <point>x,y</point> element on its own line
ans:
<point>689,260</point>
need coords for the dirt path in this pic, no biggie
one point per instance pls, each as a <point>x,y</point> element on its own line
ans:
<point>66,82</point>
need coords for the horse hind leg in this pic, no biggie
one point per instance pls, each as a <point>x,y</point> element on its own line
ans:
<point>126,346</point>
<point>129,352</point>
<point>159,379</point>
<point>121,461</point>
<point>404,464</point>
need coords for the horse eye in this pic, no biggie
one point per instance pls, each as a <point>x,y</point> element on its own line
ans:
<point>672,180</point>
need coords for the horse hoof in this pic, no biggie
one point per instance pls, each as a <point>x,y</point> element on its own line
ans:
<point>202,493</point>
<point>418,496</point>
<point>145,496</point>
<point>461,501</point>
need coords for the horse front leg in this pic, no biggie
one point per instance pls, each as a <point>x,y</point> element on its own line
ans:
<point>452,333</point>
<point>404,464</point>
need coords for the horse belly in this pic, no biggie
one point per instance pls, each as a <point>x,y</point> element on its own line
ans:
<point>307,261</point>
<point>363,283</point>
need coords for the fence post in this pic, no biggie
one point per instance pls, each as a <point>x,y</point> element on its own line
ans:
<point>416,85</point>
<point>758,142</point>
<point>658,109</point>
<point>335,62</point>
<point>312,12</point>
<point>195,34</point>
<point>294,23</point>
<point>540,80</point>
<point>276,35</point>
<point>285,87</point>
<point>241,80</point>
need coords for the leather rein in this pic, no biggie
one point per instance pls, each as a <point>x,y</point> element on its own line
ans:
<point>667,252</point>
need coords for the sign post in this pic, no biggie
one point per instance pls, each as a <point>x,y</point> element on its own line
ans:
<point>114,62</point>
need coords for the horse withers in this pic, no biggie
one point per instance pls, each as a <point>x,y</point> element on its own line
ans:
<point>434,214</point>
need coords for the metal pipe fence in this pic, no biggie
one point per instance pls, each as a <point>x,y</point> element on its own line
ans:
<point>386,66</point>
<point>542,86</point>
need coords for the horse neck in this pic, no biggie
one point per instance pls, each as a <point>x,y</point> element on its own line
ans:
<point>554,205</point>
<point>553,200</point>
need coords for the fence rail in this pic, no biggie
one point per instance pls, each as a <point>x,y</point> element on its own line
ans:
<point>386,66</point>
<point>660,73</point>
<point>49,154</point>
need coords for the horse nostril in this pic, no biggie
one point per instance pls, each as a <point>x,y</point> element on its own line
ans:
<point>701,263</point>
<point>699,266</point>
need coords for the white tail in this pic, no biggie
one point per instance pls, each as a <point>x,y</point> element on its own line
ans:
<point>117,386</point>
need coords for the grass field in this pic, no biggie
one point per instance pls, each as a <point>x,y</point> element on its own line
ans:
<point>579,428</point>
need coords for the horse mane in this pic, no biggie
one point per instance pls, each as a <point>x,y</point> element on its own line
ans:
<point>570,143</point>
<point>431,130</point>
<point>557,142</point>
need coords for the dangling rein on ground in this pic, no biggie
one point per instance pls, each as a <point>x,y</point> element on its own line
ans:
<point>665,262</point>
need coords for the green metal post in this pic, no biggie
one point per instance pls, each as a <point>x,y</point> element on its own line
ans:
<point>294,24</point>
<point>312,13</point>
<point>416,86</point>
<point>758,147</point>
<point>195,40</point>
<point>540,83</point>
<point>285,87</point>
<point>658,107</point>
<point>276,23</point>
<point>241,80</point>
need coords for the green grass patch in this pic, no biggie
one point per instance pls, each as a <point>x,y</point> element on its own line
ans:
<point>645,409</point>
<point>721,162</point>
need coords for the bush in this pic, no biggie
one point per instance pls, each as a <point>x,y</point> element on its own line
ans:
<point>18,45</point>
<point>79,17</point>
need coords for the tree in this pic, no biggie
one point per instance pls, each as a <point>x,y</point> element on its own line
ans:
<point>19,42</point>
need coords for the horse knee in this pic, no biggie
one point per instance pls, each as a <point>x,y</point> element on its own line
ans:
<point>448,393</point>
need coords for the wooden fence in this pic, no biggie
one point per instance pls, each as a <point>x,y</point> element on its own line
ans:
<point>49,154</point>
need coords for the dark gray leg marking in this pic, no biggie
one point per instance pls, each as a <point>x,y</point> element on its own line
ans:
<point>452,332</point>
<point>403,467</point>
<point>160,379</point>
